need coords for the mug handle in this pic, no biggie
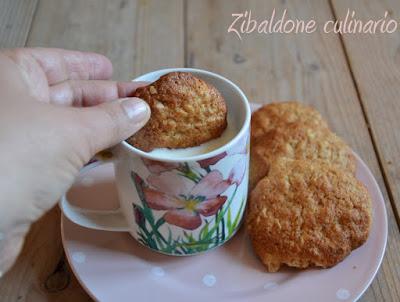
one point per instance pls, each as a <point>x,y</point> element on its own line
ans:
<point>107,220</point>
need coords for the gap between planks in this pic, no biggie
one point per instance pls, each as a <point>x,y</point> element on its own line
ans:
<point>185,34</point>
<point>365,115</point>
<point>31,23</point>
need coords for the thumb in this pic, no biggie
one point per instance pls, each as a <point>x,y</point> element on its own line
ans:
<point>112,122</point>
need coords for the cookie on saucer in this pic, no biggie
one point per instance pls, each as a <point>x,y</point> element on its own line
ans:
<point>307,213</point>
<point>298,141</point>
<point>279,115</point>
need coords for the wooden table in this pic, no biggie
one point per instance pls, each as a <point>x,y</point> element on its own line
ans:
<point>353,80</point>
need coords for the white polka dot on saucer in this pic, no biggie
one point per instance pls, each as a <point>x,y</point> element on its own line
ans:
<point>157,272</point>
<point>79,257</point>
<point>270,285</point>
<point>342,294</point>
<point>209,280</point>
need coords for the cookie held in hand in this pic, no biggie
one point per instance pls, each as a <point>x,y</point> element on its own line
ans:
<point>307,213</point>
<point>185,112</point>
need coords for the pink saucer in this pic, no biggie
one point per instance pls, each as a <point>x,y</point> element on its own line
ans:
<point>114,267</point>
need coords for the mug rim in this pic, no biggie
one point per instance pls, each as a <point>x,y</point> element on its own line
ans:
<point>228,145</point>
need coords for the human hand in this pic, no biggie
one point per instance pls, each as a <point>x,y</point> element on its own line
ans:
<point>57,109</point>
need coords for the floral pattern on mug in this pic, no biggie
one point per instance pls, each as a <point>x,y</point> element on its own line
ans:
<point>191,197</point>
<point>185,200</point>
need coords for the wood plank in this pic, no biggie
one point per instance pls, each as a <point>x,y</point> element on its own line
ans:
<point>374,60</point>
<point>15,21</point>
<point>138,36</point>
<point>311,68</point>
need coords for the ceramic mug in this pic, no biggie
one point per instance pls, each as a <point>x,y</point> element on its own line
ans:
<point>180,205</point>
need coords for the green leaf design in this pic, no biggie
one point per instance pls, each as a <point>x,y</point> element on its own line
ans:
<point>159,223</point>
<point>148,238</point>
<point>189,173</point>
<point>236,222</point>
<point>228,220</point>
<point>204,231</point>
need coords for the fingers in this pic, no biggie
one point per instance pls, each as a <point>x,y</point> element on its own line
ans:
<point>88,93</point>
<point>60,65</point>
<point>112,122</point>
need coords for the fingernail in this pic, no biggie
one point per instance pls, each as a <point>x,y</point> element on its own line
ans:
<point>135,108</point>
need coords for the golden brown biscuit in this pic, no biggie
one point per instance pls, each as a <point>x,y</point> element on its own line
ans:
<point>279,115</point>
<point>307,213</point>
<point>185,112</point>
<point>297,141</point>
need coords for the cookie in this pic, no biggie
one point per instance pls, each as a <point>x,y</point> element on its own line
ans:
<point>298,141</point>
<point>279,115</point>
<point>307,213</point>
<point>185,112</point>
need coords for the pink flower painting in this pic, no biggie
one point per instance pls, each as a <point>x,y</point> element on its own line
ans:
<point>211,161</point>
<point>184,201</point>
<point>158,167</point>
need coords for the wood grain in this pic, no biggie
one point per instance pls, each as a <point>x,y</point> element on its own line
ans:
<point>138,36</point>
<point>15,21</point>
<point>311,68</point>
<point>374,60</point>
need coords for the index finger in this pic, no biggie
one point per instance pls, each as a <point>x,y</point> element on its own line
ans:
<point>91,93</point>
<point>60,65</point>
